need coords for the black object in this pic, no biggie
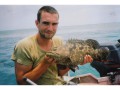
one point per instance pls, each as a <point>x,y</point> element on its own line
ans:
<point>101,68</point>
<point>62,67</point>
<point>119,40</point>
<point>112,63</point>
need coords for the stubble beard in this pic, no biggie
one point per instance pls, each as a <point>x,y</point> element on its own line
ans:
<point>46,36</point>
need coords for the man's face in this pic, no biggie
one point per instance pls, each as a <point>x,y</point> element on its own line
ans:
<point>48,25</point>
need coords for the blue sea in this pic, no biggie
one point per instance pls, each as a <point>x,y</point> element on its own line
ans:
<point>103,33</point>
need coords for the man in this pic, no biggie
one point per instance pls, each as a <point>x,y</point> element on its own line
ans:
<point>30,53</point>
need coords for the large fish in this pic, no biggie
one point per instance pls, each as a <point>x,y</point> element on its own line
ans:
<point>72,53</point>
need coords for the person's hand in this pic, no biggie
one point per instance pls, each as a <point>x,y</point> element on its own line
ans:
<point>87,59</point>
<point>48,60</point>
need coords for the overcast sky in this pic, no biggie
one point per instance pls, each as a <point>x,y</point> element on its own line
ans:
<point>20,17</point>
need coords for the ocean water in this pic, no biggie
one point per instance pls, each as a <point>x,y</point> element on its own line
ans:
<point>8,39</point>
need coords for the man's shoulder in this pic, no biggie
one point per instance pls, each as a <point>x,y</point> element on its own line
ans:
<point>57,38</point>
<point>26,41</point>
<point>57,41</point>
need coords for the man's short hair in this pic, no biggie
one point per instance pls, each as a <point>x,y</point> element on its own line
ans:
<point>48,9</point>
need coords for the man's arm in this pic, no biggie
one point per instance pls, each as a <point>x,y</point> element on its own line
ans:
<point>33,74</point>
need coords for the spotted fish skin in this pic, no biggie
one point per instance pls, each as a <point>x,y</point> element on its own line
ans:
<point>74,51</point>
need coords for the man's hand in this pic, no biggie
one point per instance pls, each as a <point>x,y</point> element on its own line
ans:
<point>48,60</point>
<point>87,59</point>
